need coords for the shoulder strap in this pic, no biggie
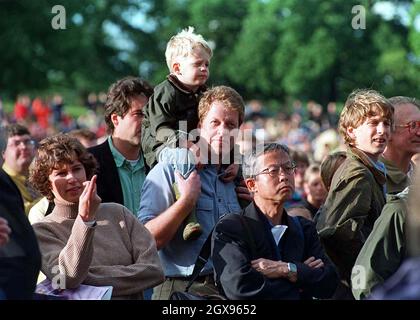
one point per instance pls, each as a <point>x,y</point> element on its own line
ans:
<point>204,254</point>
<point>201,261</point>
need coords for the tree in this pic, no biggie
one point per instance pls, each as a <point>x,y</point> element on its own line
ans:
<point>82,56</point>
<point>309,49</point>
<point>267,49</point>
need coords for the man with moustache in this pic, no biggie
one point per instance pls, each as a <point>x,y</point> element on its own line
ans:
<point>264,253</point>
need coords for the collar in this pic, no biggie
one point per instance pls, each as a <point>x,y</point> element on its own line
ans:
<point>65,209</point>
<point>410,173</point>
<point>362,157</point>
<point>278,232</point>
<point>404,194</point>
<point>119,159</point>
<point>262,217</point>
<point>394,173</point>
<point>14,174</point>
<point>181,87</point>
<point>253,212</point>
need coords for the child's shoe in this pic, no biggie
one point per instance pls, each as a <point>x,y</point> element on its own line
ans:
<point>192,231</point>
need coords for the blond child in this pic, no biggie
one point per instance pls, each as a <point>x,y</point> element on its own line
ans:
<point>172,111</point>
<point>314,189</point>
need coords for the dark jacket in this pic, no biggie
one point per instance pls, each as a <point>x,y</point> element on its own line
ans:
<point>354,202</point>
<point>108,182</point>
<point>385,248</point>
<point>170,103</point>
<point>232,255</point>
<point>403,285</point>
<point>20,258</point>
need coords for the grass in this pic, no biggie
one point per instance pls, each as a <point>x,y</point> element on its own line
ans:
<point>74,110</point>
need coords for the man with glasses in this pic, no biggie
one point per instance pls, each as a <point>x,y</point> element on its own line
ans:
<point>404,143</point>
<point>386,247</point>
<point>18,155</point>
<point>264,253</point>
<point>20,258</point>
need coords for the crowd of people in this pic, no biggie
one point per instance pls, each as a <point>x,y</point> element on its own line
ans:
<point>299,206</point>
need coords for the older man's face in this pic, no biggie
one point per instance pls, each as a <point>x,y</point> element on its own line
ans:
<point>406,140</point>
<point>270,187</point>
<point>219,128</point>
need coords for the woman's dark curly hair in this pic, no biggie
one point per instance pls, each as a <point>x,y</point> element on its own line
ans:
<point>53,152</point>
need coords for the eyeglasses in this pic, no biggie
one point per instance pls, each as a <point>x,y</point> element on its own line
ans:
<point>413,126</point>
<point>274,171</point>
<point>26,143</point>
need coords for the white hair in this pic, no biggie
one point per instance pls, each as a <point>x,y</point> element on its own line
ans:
<point>182,44</point>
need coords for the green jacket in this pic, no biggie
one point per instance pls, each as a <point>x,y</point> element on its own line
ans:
<point>354,202</point>
<point>170,103</point>
<point>396,180</point>
<point>385,248</point>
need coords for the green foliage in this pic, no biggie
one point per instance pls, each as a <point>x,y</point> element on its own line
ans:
<point>250,62</point>
<point>415,33</point>
<point>267,49</point>
<point>33,55</point>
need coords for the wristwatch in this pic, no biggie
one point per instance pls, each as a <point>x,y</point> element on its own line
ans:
<point>292,274</point>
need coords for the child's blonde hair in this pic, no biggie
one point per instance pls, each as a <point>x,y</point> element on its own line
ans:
<point>182,44</point>
<point>360,105</point>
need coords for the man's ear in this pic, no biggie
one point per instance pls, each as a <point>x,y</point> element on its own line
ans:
<point>306,188</point>
<point>176,68</point>
<point>251,185</point>
<point>114,119</point>
<point>350,132</point>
